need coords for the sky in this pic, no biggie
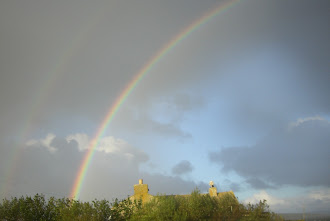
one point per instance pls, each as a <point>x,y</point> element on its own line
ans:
<point>243,100</point>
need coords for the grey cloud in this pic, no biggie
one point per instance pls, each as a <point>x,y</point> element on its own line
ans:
<point>88,53</point>
<point>110,175</point>
<point>258,183</point>
<point>182,168</point>
<point>230,185</point>
<point>185,102</point>
<point>163,184</point>
<point>169,130</point>
<point>296,155</point>
<point>140,121</point>
<point>177,106</point>
<point>282,71</point>
<point>268,89</point>
<point>235,187</point>
<point>37,170</point>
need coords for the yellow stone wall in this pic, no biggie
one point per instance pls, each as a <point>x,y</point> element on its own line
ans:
<point>231,193</point>
<point>141,192</point>
<point>213,191</point>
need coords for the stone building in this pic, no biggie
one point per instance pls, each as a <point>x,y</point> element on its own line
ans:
<point>141,192</point>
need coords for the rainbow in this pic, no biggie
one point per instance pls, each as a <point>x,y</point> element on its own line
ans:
<point>132,84</point>
<point>47,86</point>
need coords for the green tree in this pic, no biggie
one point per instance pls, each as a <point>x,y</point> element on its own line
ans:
<point>192,207</point>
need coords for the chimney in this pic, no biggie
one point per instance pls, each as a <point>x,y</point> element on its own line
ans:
<point>212,190</point>
<point>140,189</point>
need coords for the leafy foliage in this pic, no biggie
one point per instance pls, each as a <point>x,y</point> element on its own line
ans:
<point>37,208</point>
<point>196,206</point>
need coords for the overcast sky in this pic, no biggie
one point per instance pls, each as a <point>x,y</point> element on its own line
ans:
<point>244,100</point>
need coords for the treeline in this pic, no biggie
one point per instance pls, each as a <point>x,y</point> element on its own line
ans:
<point>195,207</point>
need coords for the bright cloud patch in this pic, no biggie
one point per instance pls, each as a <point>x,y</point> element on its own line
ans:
<point>303,120</point>
<point>322,195</point>
<point>109,145</point>
<point>81,139</point>
<point>46,142</point>
<point>263,195</point>
<point>314,201</point>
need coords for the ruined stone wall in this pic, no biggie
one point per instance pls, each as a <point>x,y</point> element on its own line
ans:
<point>141,192</point>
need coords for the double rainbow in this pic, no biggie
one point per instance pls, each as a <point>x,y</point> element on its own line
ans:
<point>132,84</point>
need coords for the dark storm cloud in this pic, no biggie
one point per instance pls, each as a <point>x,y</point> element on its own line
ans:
<point>36,170</point>
<point>297,155</point>
<point>91,51</point>
<point>182,167</point>
<point>58,57</point>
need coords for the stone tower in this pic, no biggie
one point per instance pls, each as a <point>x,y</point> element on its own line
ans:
<point>141,192</point>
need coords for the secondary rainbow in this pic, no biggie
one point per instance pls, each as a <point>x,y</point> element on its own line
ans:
<point>75,192</point>
<point>47,86</point>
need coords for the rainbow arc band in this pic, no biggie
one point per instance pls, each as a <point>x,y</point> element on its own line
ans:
<point>76,189</point>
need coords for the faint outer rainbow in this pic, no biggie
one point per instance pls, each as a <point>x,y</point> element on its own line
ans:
<point>132,84</point>
<point>47,86</point>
